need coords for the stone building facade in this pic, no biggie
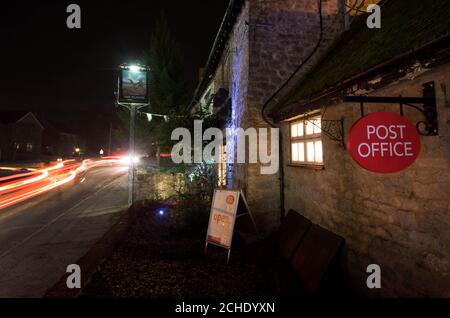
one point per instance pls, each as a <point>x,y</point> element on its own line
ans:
<point>399,221</point>
<point>289,63</point>
<point>258,47</point>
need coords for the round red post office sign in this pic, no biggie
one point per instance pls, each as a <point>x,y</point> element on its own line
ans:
<point>384,142</point>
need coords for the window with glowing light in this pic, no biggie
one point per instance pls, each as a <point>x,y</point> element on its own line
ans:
<point>29,147</point>
<point>222,167</point>
<point>306,141</point>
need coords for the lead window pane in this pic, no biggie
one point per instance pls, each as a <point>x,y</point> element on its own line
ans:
<point>309,127</point>
<point>300,129</point>
<point>294,132</point>
<point>318,151</point>
<point>294,152</point>
<point>317,126</point>
<point>310,151</point>
<point>301,152</point>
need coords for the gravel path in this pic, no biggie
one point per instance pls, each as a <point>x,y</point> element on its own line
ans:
<point>158,259</point>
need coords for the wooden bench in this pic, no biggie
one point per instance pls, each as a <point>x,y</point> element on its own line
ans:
<point>308,253</point>
<point>291,232</point>
<point>314,256</point>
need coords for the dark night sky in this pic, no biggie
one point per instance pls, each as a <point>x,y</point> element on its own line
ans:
<point>69,74</point>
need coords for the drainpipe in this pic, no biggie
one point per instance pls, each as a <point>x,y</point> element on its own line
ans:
<point>319,41</point>
<point>282,207</point>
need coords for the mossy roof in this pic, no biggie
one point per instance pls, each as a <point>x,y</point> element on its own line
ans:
<point>406,25</point>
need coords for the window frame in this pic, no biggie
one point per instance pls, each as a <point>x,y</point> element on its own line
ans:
<point>305,139</point>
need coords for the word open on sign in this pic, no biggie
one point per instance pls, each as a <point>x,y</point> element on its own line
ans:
<point>222,218</point>
<point>384,142</point>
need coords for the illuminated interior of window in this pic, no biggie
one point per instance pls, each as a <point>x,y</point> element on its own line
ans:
<point>306,142</point>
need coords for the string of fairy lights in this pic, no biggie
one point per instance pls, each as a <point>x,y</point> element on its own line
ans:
<point>151,115</point>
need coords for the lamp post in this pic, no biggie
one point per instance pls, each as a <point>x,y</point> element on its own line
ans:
<point>109,140</point>
<point>133,94</point>
<point>131,155</point>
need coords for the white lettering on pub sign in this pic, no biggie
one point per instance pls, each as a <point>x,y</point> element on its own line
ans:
<point>384,142</point>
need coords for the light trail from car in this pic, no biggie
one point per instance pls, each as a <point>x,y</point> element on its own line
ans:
<point>30,184</point>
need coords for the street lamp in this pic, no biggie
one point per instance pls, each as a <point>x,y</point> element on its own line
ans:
<point>134,68</point>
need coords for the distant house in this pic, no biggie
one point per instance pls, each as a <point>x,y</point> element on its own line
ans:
<point>20,136</point>
<point>58,142</point>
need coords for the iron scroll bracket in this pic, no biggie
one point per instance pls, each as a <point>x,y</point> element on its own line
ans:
<point>426,105</point>
<point>334,129</point>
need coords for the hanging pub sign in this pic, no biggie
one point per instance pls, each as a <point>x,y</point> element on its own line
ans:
<point>133,85</point>
<point>384,142</point>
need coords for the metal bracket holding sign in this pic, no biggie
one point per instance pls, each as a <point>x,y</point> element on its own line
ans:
<point>427,127</point>
<point>222,218</point>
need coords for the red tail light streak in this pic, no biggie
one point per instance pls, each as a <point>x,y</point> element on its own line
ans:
<point>20,187</point>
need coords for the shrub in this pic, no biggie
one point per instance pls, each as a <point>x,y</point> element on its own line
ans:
<point>194,203</point>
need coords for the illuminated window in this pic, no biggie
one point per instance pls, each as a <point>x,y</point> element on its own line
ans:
<point>306,141</point>
<point>222,167</point>
<point>29,147</point>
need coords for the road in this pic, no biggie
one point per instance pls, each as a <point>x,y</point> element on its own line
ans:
<point>41,236</point>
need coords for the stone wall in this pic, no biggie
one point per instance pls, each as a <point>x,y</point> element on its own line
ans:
<point>400,221</point>
<point>238,66</point>
<point>232,74</point>
<point>158,185</point>
<point>281,35</point>
<point>269,40</point>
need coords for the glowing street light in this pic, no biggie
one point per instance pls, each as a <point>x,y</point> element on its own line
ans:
<point>134,68</point>
<point>128,160</point>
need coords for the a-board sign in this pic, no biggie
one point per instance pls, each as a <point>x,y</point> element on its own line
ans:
<point>133,85</point>
<point>384,142</point>
<point>222,217</point>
